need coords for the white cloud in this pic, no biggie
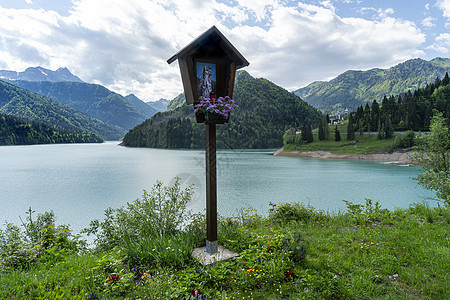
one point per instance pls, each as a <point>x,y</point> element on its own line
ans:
<point>444,5</point>
<point>124,45</point>
<point>29,1</point>
<point>428,22</point>
<point>441,44</point>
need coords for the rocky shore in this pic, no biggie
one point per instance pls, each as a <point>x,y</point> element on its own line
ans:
<point>397,158</point>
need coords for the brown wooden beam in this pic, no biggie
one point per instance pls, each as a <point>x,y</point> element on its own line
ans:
<point>211,189</point>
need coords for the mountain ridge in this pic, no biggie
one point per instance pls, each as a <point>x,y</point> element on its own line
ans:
<point>34,107</point>
<point>40,74</point>
<point>354,87</point>
<point>265,112</point>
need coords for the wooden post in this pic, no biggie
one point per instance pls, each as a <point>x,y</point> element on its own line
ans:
<point>211,189</point>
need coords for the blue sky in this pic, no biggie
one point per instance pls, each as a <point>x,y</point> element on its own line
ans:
<point>124,45</point>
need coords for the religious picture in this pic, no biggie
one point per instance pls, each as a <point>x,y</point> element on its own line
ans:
<point>206,79</point>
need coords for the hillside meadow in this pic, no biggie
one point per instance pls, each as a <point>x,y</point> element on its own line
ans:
<point>141,251</point>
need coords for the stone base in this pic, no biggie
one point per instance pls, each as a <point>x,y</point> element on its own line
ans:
<point>206,259</point>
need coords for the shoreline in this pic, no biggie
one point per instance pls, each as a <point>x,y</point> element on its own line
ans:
<point>395,158</point>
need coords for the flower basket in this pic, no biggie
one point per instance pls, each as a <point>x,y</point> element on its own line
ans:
<point>213,118</point>
<point>212,111</point>
<point>200,116</point>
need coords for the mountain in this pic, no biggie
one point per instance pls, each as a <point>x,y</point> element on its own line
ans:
<point>176,102</point>
<point>265,112</point>
<point>160,105</point>
<point>353,88</point>
<point>40,74</point>
<point>143,107</point>
<point>19,131</point>
<point>25,104</point>
<point>94,100</point>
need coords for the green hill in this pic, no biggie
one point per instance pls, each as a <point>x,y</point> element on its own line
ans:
<point>265,112</point>
<point>18,131</point>
<point>21,103</point>
<point>353,88</point>
<point>94,100</point>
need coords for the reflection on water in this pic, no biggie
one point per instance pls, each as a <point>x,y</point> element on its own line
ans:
<point>78,182</point>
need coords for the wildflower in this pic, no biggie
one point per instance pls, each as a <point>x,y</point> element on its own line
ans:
<point>197,271</point>
<point>114,278</point>
<point>258,260</point>
<point>196,293</point>
<point>289,275</point>
<point>249,271</point>
<point>93,296</point>
<point>270,249</point>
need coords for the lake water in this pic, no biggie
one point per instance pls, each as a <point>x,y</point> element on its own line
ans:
<point>79,181</point>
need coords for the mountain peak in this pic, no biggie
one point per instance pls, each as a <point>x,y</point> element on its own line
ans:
<point>40,74</point>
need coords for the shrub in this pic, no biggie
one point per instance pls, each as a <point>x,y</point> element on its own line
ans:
<point>160,212</point>
<point>161,251</point>
<point>41,241</point>
<point>296,246</point>
<point>286,212</point>
<point>405,140</point>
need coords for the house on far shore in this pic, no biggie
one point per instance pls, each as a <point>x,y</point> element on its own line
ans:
<point>335,121</point>
<point>339,117</point>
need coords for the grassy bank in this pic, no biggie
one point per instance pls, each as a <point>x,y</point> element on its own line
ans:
<point>365,144</point>
<point>296,252</point>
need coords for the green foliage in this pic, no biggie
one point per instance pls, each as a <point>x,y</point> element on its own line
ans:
<point>354,88</point>
<point>265,112</point>
<point>298,212</point>
<point>160,212</point>
<point>434,157</point>
<point>296,246</point>
<point>162,250</point>
<point>21,103</point>
<point>337,135</point>
<point>350,129</point>
<point>40,242</point>
<point>402,253</point>
<point>93,100</point>
<point>404,140</point>
<point>412,111</point>
<point>18,131</point>
<point>367,213</point>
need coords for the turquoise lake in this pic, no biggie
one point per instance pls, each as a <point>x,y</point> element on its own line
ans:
<point>79,181</point>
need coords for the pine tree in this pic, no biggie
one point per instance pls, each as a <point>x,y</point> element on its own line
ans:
<point>310,137</point>
<point>350,130</point>
<point>321,132</point>
<point>337,134</point>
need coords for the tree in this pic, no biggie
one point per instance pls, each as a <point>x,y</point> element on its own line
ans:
<point>337,134</point>
<point>350,130</point>
<point>433,155</point>
<point>321,132</point>
<point>310,137</point>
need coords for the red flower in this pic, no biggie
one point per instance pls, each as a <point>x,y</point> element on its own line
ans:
<point>195,293</point>
<point>114,278</point>
<point>290,274</point>
<point>270,249</point>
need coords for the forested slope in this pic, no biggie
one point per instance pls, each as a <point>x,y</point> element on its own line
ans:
<point>22,103</point>
<point>18,131</point>
<point>265,112</point>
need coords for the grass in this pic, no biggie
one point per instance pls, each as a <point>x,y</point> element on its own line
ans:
<point>366,144</point>
<point>365,252</point>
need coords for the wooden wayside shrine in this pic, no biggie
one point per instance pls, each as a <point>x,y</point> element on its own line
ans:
<point>208,67</point>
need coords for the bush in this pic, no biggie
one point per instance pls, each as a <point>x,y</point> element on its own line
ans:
<point>161,251</point>
<point>42,241</point>
<point>405,140</point>
<point>296,246</point>
<point>160,212</point>
<point>286,212</point>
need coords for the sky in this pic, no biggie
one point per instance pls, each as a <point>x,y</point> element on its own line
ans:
<point>124,45</point>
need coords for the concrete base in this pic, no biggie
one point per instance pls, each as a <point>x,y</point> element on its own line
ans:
<point>206,259</point>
